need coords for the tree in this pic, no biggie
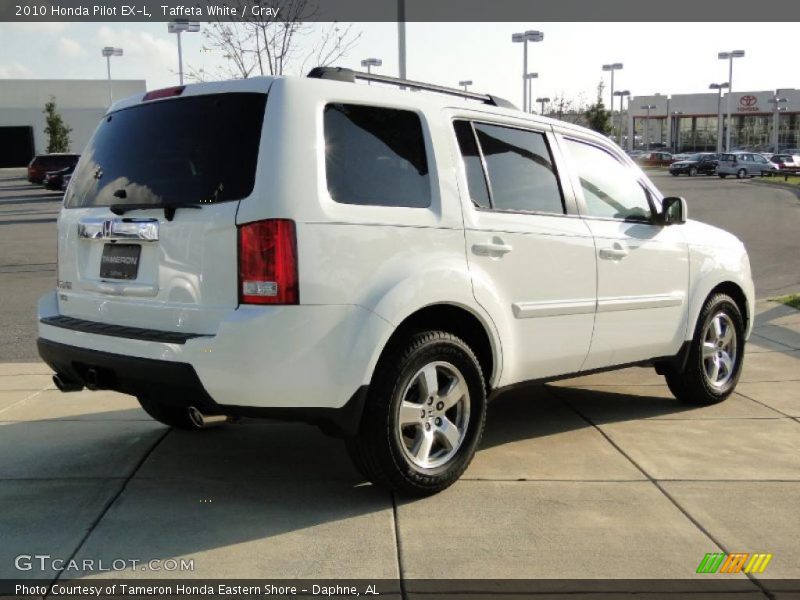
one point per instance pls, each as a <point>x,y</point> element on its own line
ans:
<point>274,45</point>
<point>597,117</point>
<point>57,131</point>
<point>567,109</point>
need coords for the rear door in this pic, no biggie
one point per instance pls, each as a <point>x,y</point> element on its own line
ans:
<point>533,262</point>
<point>147,237</point>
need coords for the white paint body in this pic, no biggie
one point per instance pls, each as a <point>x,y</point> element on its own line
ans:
<point>552,305</point>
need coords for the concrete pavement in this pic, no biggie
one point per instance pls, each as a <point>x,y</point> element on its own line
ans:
<point>604,476</point>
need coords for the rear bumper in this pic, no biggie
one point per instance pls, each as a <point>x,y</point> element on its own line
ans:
<point>177,384</point>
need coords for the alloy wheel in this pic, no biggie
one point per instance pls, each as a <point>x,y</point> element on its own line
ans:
<point>720,349</point>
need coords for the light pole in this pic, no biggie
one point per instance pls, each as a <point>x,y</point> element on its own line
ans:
<point>528,78</point>
<point>729,56</point>
<point>524,38</point>
<point>543,101</point>
<point>465,83</point>
<point>108,52</point>
<point>621,95</point>
<point>776,119</point>
<point>612,67</point>
<point>179,27</point>
<point>719,87</point>
<point>647,107</point>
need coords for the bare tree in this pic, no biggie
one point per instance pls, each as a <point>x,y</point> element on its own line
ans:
<point>288,43</point>
<point>571,110</point>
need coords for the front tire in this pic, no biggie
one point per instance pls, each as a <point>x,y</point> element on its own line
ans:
<point>741,174</point>
<point>424,415</point>
<point>715,356</point>
<point>168,415</point>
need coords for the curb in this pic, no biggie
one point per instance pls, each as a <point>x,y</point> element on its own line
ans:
<point>779,184</point>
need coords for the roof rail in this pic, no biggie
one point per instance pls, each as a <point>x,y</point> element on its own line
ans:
<point>348,75</point>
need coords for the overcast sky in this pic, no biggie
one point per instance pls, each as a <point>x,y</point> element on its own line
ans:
<point>658,57</point>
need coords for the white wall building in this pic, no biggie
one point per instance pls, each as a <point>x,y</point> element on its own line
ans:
<point>81,104</point>
<point>690,122</point>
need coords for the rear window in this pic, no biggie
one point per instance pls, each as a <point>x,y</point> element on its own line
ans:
<point>58,161</point>
<point>195,149</point>
<point>375,156</point>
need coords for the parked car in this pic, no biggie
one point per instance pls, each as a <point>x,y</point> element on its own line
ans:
<point>41,164</point>
<point>743,164</point>
<point>55,180</point>
<point>654,159</point>
<point>703,162</point>
<point>786,162</point>
<point>302,256</point>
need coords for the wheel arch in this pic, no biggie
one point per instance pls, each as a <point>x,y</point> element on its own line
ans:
<point>459,320</point>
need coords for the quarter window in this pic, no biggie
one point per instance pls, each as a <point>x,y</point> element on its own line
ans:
<point>609,187</point>
<point>375,156</point>
<point>476,179</point>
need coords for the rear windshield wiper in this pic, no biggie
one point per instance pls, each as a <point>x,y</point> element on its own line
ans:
<point>169,209</point>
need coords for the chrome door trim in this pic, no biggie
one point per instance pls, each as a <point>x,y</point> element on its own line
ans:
<point>141,230</point>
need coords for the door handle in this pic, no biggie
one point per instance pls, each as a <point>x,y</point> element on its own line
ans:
<point>496,248</point>
<point>616,252</point>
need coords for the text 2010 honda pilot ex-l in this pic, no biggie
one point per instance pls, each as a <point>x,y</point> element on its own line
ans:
<point>376,261</point>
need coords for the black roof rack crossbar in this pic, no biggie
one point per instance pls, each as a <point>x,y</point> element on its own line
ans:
<point>342,74</point>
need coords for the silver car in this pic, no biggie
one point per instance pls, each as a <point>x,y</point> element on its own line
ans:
<point>744,164</point>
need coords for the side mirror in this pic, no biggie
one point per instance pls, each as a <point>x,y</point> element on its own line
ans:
<point>674,211</point>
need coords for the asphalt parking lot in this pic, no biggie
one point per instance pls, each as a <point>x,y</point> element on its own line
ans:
<point>604,476</point>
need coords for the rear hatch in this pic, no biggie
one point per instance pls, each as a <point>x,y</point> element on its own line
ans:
<point>147,236</point>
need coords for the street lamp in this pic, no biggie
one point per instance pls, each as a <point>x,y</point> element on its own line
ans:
<point>371,62</point>
<point>776,102</point>
<point>647,107</point>
<point>621,95</point>
<point>179,27</point>
<point>108,52</point>
<point>465,83</point>
<point>542,101</point>
<point>719,87</point>
<point>729,56</point>
<point>612,67</point>
<point>524,38</point>
<point>528,78</point>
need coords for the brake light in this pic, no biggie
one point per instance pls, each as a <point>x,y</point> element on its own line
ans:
<point>164,93</point>
<point>268,263</point>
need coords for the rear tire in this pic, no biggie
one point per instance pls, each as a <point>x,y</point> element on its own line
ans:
<point>692,171</point>
<point>715,356</point>
<point>168,415</point>
<point>424,415</point>
<point>741,174</point>
<point>722,175</point>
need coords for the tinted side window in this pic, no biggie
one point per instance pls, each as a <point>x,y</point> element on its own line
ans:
<point>609,187</point>
<point>521,171</point>
<point>476,181</point>
<point>375,156</point>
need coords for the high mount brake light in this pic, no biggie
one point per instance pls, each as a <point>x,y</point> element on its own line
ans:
<point>169,92</point>
<point>268,263</point>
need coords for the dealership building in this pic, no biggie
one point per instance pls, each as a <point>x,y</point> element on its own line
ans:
<point>760,121</point>
<point>81,104</point>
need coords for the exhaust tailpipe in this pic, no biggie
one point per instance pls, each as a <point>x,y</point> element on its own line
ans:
<point>203,421</point>
<point>65,384</point>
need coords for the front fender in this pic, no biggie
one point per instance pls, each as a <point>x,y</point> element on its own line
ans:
<point>712,266</point>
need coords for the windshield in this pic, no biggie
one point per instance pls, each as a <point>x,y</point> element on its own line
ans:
<point>195,149</point>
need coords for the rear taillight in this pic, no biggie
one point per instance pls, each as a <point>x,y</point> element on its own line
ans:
<point>268,263</point>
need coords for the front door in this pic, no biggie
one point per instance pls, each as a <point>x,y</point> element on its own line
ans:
<point>642,266</point>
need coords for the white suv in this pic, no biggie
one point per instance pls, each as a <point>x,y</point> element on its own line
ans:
<point>376,261</point>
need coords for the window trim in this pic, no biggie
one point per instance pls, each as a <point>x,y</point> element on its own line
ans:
<point>547,135</point>
<point>426,143</point>
<point>581,198</point>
